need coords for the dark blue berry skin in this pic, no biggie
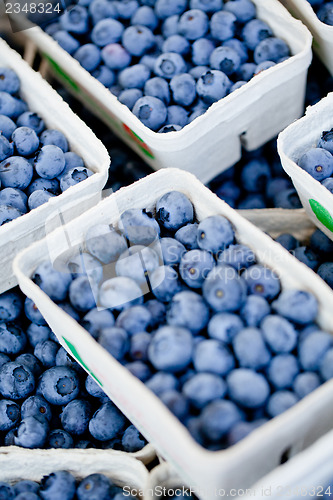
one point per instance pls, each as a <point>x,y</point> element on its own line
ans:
<point>171,349</point>
<point>94,487</point>
<point>54,283</point>
<point>82,294</point>
<point>279,334</point>
<point>25,140</point>
<point>14,198</point>
<point>305,383</point>
<point>33,313</point>
<point>223,25</point>
<point>151,111</point>
<point>16,381</point>
<point>187,235</point>
<point>50,162</point>
<point>288,241</point>
<point>107,422</point>
<point>203,388</point>
<point>195,266</point>
<point>224,326</point>
<point>9,81</point>
<point>248,388</point>
<point>157,87</point>
<point>7,126</point>
<point>75,20</point>
<point>31,433</point>
<point>46,352</point>
<point>212,86</point>
<point>174,210</point>
<point>244,10</point>
<point>10,306</point>
<point>283,370</point>
<point>177,403</point>
<point>31,362</point>
<point>16,172</point>
<point>137,40</point>
<point>254,32</point>
<point>37,333</point>
<point>325,271</point>
<point>262,281</point>
<point>135,319</point>
<point>58,438</point>
<point>165,283</point>
<point>307,256</point>
<point>237,256</point>
<point>300,307</point>
<point>220,227</point>
<point>6,148</point>
<point>59,385</point>
<point>95,320</point>
<point>75,416</point>
<point>9,414</point>
<point>132,440</point>
<point>139,227</point>
<point>326,141</point>
<point>320,243</point>
<point>218,418</point>
<point>187,309</point>
<point>169,64</point>
<point>223,289</point>
<point>129,97</point>
<point>161,382</point>
<point>6,491</point>
<point>250,349</point>
<point>36,406</point>
<point>26,486</point>
<point>59,485</point>
<point>27,495</point>
<point>139,369</point>
<point>318,163</point>
<point>213,356</point>
<point>115,341</point>
<point>280,401</point>
<point>325,14</point>
<point>313,349</point>
<point>3,359</point>
<point>55,138</point>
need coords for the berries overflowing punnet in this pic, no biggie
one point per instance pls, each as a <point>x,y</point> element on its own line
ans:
<point>195,316</point>
<point>164,54</point>
<point>35,164</point>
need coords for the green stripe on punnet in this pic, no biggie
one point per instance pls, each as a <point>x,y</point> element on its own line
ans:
<point>76,355</point>
<point>322,214</point>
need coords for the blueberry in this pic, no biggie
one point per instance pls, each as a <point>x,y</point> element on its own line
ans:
<point>270,49</point>
<point>187,235</point>
<point>151,111</point>
<point>66,41</point>
<point>188,309</point>
<point>215,233</point>
<point>169,26</point>
<point>39,184</point>
<point>128,97</point>
<point>201,51</point>
<point>138,262</point>
<point>174,210</point>
<point>223,289</point>
<point>203,388</point>
<point>46,352</point>
<point>252,201</point>
<point>8,213</point>
<point>101,9</point>
<point>326,141</point>
<point>137,40</point>
<point>139,227</point>
<point>325,271</point>
<point>6,491</point>
<point>132,440</point>
<point>157,310</point>
<point>14,198</point>
<point>107,77</point>
<point>262,281</point>
<point>139,369</point>
<point>288,241</point>
<point>58,438</point>
<point>15,172</point>
<point>115,56</point>
<point>246,71</point>
<point>7,126</point>
<point>223,25</point>
<point>74,176</point>
<point>31,433</point>
<point>328,183</point>
<point>325,14</point>
<point>25,485</point>
<point>29,360</point>
<point>162,382</point>
<point>10,306</point>
<point>106,422</point>
<point>104,243</point>
<point>255,175</point>
<point>195,266</point>
<point>120,293</point>
<point>225,59</point>
<point>107,31</point>
<point>171,250</point>
<point>16,381</point>
<point>134,76</point>
<point>164,8</point>
<point>52,137</point>
<point>224,326</point>
<point>288,198</point>
<point>183,89</point>
<point>307,256</point>
<point>254,32</point>
<point>95,320</point>
<point>171,348</point>
<point>134,319</point>
<point>279,334</point>
<point>32,312</point>
<point>168,65</point>
<point>242,429</point>
<point>320,243</point>
<point>139,343</point>
<point>94,487</point>
<point>217,418</point>
<point>145,16</point>
<point>212,356</point>
<point>247,388</point>
<point>115,341</point>
<point>280,401</point>
<point>298,306</point>
<point>238,256</point>
<point>176,43</point>
<point>84,264</point>
<point>9,81</point>
<point>9,414</point>
<point>83,293</point>
<point>177,115</point>
<point>94,389</point>
<point>4,359</point>
<point>206,5</point>
<point>282,371</point>
<point>37,333</point>
<point>50,161</point>
<point>305,383</point>
<point>38,198</point>
<point>8,105</point>
<point>250,349</point>
<point>6,148</point>
<point>12,338</point>
<point>37,407</point>
<point>59,385</point>
<point>313,349</point>
<point>157,87</point>
<point>212,86</point>
<point>275,185</point>
<point>244,10</point>
<point>318,163</point>
<point>126,8</point>
<point>326,365</point>
<point>58,485</point>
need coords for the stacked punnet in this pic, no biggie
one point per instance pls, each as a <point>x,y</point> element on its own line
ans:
<point>191,313</point>
<point>169,61</point>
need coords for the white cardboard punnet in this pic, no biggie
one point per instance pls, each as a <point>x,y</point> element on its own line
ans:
<point>322,33</point>
<point>18,463</point>
<point>250,116</point>
<point>43,100</point>
<point>296,140</point>
<point>240,465</point>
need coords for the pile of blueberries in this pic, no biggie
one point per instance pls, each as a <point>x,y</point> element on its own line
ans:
<point>318,162</point>
<point>169,61</point>
<point>35,163</point>
<point>46,398</point>
<point>324,10</point>
<point>191,313</point>
<point>317,254</point>
<point>62,485</point>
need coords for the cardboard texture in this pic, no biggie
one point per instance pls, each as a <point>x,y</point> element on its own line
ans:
<point>250,116</point>
<point>43,100</point>
<point>293,142</point>
<point>19,463</point>
<point>240,465</point>
<point>322,33</point>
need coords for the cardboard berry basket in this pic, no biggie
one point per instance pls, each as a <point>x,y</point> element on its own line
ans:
<point>240,465</point>
<point>18,463</point>
<point>250,116</point>
<point>43,100</point>
<point>293,142</point>
<point>322,33</point>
